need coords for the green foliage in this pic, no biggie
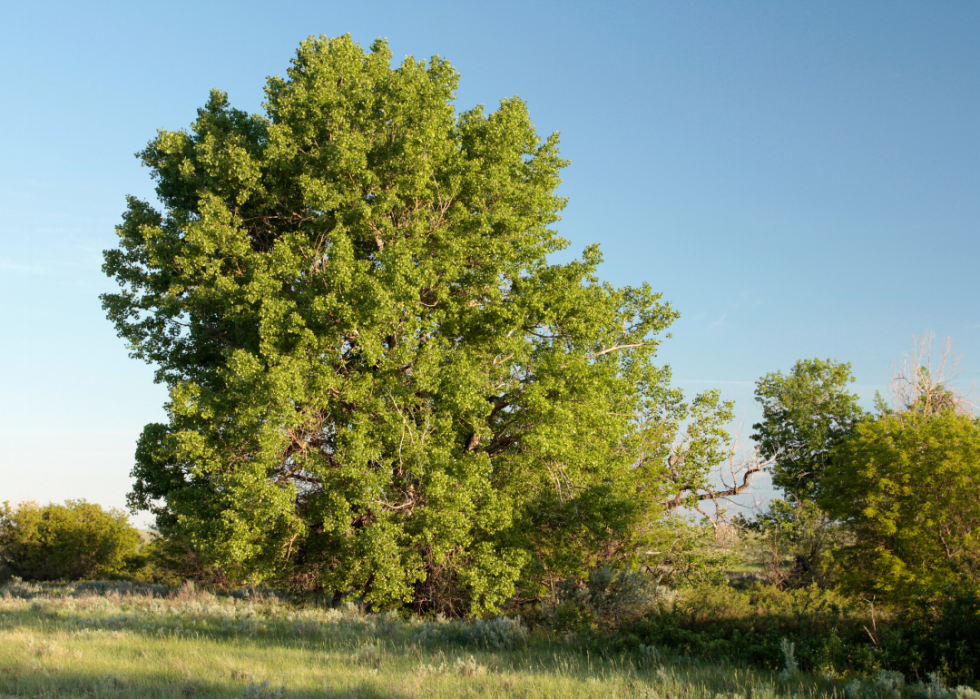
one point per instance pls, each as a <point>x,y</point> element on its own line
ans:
<point>811,629</point>
<point>605,599</point>
<point>905,487</point>
<point>679,446</point>
<point>798,531</point>
<point>679,553</point>
<point>378,384</point>
<point>163,562</point>
<point>938,636</point>
<point>753,627</point>
<point>74,541</point>
<point>804,414</point>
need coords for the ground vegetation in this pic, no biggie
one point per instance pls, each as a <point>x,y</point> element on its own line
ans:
<point>124,640</point>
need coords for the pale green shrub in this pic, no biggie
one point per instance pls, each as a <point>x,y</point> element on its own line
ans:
<point>263,690</point>
<point>650,654</point>
<point>791,669</point>
<point>891,685</point>
<point>936,689</point>
<point>888,685</point>
<point>500,633</point>
<point>608,598</point>
<point>27,590</point>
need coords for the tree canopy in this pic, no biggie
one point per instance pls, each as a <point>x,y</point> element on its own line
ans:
<point>65,542</point>
<point>905,487</point>
<point>804,414</point>
<point>378,382</point>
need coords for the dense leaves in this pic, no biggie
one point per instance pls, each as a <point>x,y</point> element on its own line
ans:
<point>804,415</point>
<point>938,636</point>
<point>74,541</point>
<point>378,383</point>
<point>722,623</point>
<point>905,487</point>
<point>830,632</point>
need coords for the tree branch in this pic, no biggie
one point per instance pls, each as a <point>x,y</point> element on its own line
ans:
<point>616,348</point>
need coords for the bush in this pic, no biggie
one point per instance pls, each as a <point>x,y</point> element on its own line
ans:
<point>813,629</point>
<point>500,633</point>
<point>904,487</point>
<point>937,637</point>
<point>606,599</point>
<point>74,541</point>
<point>757,627</point>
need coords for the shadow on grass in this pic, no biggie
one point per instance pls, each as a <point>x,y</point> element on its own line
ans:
<point>21,682</point>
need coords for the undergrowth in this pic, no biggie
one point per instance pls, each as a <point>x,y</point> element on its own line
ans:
<point>126,640</point>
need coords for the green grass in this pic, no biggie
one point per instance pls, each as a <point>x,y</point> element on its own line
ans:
<point>103,642</point>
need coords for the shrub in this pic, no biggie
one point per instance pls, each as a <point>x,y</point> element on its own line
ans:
<point>812,629</point>
<point>74,541</point>
<point>606,599</point>
<point>891,685</point>
<point>758,627</point>
<point>500,633</point>
<point>943,636</point>
<point>262,690</point>
<point>904,487</point>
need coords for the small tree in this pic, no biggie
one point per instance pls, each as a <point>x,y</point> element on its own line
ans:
<point>804,414</point>
<point>905,486</point>
<point>73,541</point>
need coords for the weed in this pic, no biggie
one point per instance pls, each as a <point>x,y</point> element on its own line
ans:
<point>790,668</point>
<point>263,690</point>
<point>469,667</point>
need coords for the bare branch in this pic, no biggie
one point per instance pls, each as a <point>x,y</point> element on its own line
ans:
<point>741,470</point>
<point>616,348</point>
<point>919,386</point>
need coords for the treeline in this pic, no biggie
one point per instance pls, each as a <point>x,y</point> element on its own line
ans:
<point>867,562</point>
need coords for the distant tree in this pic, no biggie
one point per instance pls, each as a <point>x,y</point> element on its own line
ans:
<point>74,541</point>
<point>920,385</point>
<point>803,415</point>
<point>379,384</point>
<point>906,488</point>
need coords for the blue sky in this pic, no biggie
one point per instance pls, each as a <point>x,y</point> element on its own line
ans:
<point>798,179</point>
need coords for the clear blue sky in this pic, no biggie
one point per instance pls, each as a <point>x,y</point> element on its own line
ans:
<point>799,179</point>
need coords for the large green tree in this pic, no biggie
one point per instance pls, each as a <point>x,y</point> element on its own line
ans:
<point>378,382</point>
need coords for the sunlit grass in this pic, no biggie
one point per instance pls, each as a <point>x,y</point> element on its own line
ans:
<point>93,643</point>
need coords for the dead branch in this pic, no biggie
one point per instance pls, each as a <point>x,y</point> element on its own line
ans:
<point>919,386</point>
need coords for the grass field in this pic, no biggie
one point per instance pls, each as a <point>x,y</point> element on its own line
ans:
<point>105,640</point>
